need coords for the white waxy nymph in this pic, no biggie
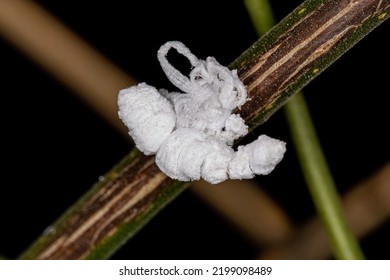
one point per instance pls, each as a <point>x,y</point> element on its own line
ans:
<point>192,133</point>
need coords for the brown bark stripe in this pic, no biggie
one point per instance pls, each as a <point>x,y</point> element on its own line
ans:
<point>303,45</point>
<point>119,201</point>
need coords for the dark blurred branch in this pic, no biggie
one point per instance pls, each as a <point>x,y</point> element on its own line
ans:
<point>254,213</point>
<point>72,61</point>
<point>367,206</point>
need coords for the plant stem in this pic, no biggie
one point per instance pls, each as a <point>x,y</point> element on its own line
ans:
<point>320,181</point>
<point>313,163</point>
<point>299,48</point>
<point>370,196</point>
<point>273,69</point>
<point>261,14</point>
<point>115,209</point>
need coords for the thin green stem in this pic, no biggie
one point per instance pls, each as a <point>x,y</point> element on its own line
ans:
<point>314,166</point>
<point>260,12</point>
<point>320,181</point>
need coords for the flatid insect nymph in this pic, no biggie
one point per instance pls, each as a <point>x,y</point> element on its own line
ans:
<point>192,132</point>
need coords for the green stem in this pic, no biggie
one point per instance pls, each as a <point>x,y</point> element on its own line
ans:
<point>260,12</point>
<point>314,166</point>
<point>320,181</point>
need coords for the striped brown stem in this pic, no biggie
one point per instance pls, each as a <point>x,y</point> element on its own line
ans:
<point>118,205</point>
<point>275,67</point>
<point>296,50</point>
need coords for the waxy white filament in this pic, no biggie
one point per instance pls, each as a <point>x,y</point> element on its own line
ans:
<point>191,133</point>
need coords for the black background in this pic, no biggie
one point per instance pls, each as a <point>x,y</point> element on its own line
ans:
<point>54,147</point>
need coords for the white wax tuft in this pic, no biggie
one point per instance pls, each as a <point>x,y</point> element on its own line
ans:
<point>192,133</point>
